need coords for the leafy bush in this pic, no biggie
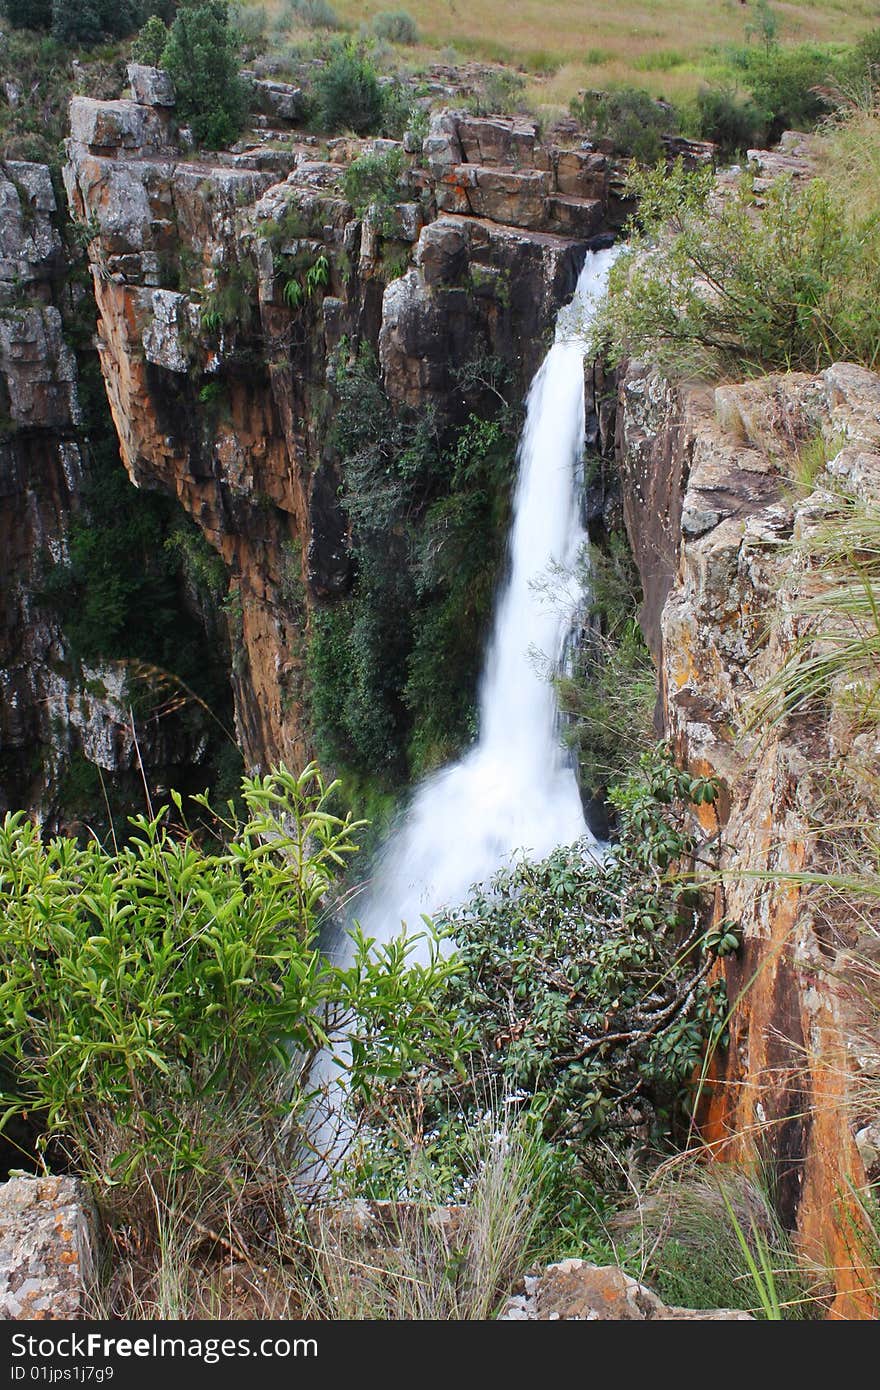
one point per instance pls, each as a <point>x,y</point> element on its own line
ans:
<point>28,14</point>
<point>313,14</point>
<point>395,26</point>
<point>149,44</point>
<point>202,59</point>
<point>89,21</point>
<point>630,119</point>
<point>374,181</point>
<point>734,125</point>
<point>500,92</point>
<point>148,991</point>
<point>610,692</point>
<point>792,283</point>
<point>583,983</point>
<point>348,92</point>
<point>788,86</point>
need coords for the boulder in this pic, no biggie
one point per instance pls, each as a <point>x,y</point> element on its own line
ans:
<point>575,1291</point>
<point>496,142</point>
<point>116,125</point>
<point>150,86</point>
<point>574,217</point>
<point>30,245</point>
<point>47,1248</point>
<point>279,100</point>
<point>442,252</point>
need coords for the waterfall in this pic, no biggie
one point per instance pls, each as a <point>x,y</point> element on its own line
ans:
<point>515,791</point>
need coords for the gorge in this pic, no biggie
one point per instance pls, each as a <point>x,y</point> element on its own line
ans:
<point>348,377</point>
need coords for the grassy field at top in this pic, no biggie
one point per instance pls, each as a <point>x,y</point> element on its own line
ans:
<point>668,47</point>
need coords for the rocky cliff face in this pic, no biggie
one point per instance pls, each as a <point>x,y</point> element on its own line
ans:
<point>221,377</point>
<point>713,512</point>
<point>55,711</point>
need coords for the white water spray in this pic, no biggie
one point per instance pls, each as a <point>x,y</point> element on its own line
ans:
<point>515,791</point>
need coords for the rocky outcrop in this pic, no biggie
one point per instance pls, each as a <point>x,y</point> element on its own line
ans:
<point>714,515</point>
<point>576,1291</point>
<point>48,1249</point>
<point>219,354</point>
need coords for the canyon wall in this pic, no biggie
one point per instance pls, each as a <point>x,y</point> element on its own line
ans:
<point>716,517</point>
<point>58,714</point>
<point>221,377</point>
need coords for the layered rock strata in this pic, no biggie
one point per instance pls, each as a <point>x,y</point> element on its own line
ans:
<point>220,375</point>
<point>720,530</point>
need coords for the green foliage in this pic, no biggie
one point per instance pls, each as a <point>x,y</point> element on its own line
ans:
<point>394,667</point>
<point>300,287</point>
<point>201,57</point>
<point>147,990</point>
<point>610,692</point>
<point>28,14</point>
<point>230,304</point>
<point>734,125</point>
<point>375,182</point>
<point>790,282</point>
<point>149,44</point>
<point>784,82</point>
<point>348,92</point>
<point>630,119</point>
<point>583,981</point>
<point>499,92</point>
<point>395,26</point>
<point>313,14</point>
<point>765,25</point>
<point>89,21</point>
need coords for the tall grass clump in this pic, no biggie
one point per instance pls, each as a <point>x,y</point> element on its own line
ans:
<point>705,1235</point>
<point>426,1260</point>
<point>712,286</point>
<point>396,26</point>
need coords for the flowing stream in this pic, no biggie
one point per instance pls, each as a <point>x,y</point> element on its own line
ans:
<point>514,792</point>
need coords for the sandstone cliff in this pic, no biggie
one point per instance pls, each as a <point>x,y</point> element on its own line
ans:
<point>57,713</point>
<point>712,511</point>
<point>221,384</point>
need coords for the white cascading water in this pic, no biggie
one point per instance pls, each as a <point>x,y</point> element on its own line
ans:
<point>515,791</point>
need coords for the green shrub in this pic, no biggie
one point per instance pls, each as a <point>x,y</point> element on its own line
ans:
<point>395,26</point>
<point>733,124</point>
<point>312,14</point>
<point>500,92</point>
<point>202,59</point>
<point>791,283</point>
<point>89,21</point>
<point>28,14</point>
<point>348,92</point>
<point>583,984</point>
<point>149,992</point>
<point>789,86</point>
<point>149,45</point>
<point>375,181</point>
<point>631,119</point>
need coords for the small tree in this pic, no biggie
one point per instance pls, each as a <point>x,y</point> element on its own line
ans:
<point>202,58</point>
<point>149,45</point>
<point>349,95</point>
